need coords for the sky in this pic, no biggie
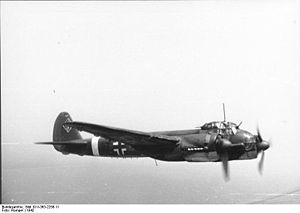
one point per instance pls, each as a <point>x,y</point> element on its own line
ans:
<point>148,66</point>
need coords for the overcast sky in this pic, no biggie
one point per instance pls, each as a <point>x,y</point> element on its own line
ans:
<point>155,66</point>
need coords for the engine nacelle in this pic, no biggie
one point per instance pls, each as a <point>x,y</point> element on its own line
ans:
<point>201,140</point>
<point>199,147</point>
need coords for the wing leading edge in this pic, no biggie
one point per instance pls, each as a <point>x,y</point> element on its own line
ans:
<point>130,137</point>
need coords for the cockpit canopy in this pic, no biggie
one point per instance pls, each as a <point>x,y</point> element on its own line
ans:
<point>218,125</point>
<point>221,126</point>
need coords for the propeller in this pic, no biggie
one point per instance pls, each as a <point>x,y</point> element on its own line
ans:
<point>261,163</point>
<point>261,147</point>
<point>259,138</point>
<point>224,159</point>
<point>222,147</point>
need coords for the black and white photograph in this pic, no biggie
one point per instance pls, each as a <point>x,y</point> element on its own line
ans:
<point>150,102</point>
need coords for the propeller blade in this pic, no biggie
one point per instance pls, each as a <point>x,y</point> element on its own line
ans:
<point>261,147</point>
<point>222,149</point>
<point>224,158</point>
<point>259,135</point>
<point>261,163</point>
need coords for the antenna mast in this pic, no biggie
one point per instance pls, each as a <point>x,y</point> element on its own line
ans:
<point>224,112</point>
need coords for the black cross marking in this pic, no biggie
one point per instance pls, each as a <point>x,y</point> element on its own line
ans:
<point>119,147</point>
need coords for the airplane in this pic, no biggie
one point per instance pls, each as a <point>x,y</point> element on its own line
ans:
<point>216,141</point>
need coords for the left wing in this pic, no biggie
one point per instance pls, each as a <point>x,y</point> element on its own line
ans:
<point>130,137</point>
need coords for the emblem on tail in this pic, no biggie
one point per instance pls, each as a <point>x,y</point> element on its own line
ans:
<point>67,128</point>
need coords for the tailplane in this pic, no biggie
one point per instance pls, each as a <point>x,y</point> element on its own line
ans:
<point>66,139</point>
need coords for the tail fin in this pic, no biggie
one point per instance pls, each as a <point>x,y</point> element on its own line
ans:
<point>63,133</point>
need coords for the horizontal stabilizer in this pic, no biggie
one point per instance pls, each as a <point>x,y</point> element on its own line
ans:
<point>72,142</point>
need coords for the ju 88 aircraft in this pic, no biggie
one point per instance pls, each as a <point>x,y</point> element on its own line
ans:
<point>217,141</point>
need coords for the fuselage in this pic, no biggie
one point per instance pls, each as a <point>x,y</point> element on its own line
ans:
<point>195,145</point>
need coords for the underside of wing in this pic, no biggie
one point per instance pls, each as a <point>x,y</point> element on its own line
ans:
<point>130,137</point>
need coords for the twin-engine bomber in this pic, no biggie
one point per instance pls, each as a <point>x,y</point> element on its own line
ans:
<point>217,141</point>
